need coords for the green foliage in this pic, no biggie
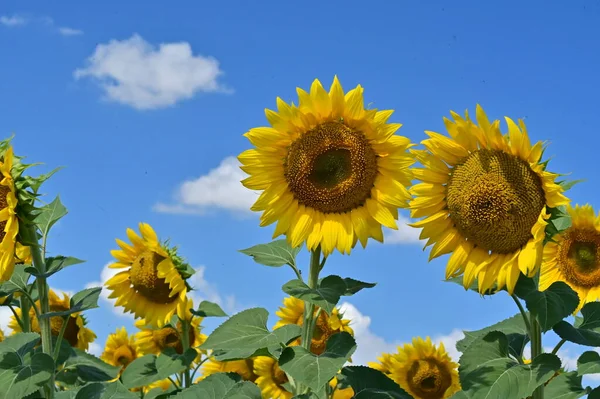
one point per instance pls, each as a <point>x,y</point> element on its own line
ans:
<point>83,300</point>
<point>565,386</point>
<point>486,370</point>
<point>22,371</point>
<point>353,286</point>
<point>151,368</point>
<point>552,305</point>
<point>586,330</point>
<point>325,295</point>
<point>17,282</point>
<point>49,215</point>
<point>221,386</point>
<point>89,368</point>
<point>54,265</point>
<point>588,363</point>
<point>370,383</point>
<point>513,328</point>
<point>559,221</point>
<point>209,309</point>
<point>313,370</point>
<point>246,334</point>
<point>275,254</point>
<point>97,390</point>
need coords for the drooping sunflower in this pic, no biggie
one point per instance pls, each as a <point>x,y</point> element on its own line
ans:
<point>120,349</point>
<point>574,256</point>
<point>245,368</point>
<point>292,312</point>
<point>331,172</point>
<point>422,370</point>
<point>485,198</point>
<point>153,284</point>
<point>9,223</point>
<point>153,340</point>
<point>271,379</point>
<point>76,332</point>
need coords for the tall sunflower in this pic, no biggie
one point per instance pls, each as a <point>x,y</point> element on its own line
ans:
<point>9,223</point>
<point>152,340</point>
<point>422,370</point>
<point>153,283</point>
<point>76,332</point>
<point>485,198</point>
<point>271,379</point>
<point>245,368</point>
<point>331,172</point>
<point>292,312</point>
<point>574,256</point>
<point>120,349</point>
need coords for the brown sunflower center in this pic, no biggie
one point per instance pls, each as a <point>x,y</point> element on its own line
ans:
<point>321,334</point>
<point>124,355</point>
<point>56,323</point>
<point>428,379</point>
<point>494,200</point>
<point>579,257</point>
<point>331,168</point>
<point>168,337</point>
<point>144,278</point>
<point>3,204</point>
<point>279,376</point>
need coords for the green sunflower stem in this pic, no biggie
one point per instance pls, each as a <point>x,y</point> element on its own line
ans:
<point>46,333</point>
<point>24,321</point>
<point>185,342</point>
<point>536,350</point>
<point>309,308</point>
<point>60,337</point>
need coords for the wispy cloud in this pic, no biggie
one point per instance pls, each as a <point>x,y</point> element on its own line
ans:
<point>136,73</point>
<point>12,21</point>
<point>20,20</point>
<point>65,31</point>
<point>404,235</point>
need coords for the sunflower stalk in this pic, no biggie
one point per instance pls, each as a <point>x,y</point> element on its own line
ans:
<point>185,342</point>
<point>19,320</point>
<point>59,339</point>
<point>536,350</point>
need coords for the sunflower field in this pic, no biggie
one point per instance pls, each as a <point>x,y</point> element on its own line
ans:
<point>331,173</point>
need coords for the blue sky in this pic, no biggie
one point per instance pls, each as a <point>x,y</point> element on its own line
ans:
<point>146,127</point>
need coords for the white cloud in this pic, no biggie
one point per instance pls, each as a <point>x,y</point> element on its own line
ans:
<point>449,342</point>
<point>95,349</point>
<point>404,235</point>
<point>65,31</point>
<point>136,73</point>
<point>105,275</point>
<point>5,315</point>
<point>12,21</point>
<point>204,290</point>
<point>221,188</point>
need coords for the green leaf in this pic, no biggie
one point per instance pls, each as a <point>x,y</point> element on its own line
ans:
<point>56,264</point>
<point>221,386</point>
<point>460,395</point>
<point>588,363</point>
<point>565,386</point>
<point>275,254</point>
<point>150,368</point>
<point>353,286</point>
<point>209,309</point>
<point>568,184</point>
<point>97,390</point>
<point>22,371</point>
<point>525,286</point>
<point>486,371</point>
<point>17,282</point>
<point>514,329</point>
<point>586,330</point>
<point>594,393</point>
<point>246,332</point>
<point>559,221</point>
<point>89,368</point>
<point>83,300</point>
<point>316,371</point>
<point>552,305</point>
<point>49,215</point>
<point>326,295</point>
<point>370,383</point>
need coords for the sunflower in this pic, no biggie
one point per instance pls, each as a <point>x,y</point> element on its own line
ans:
<point>340,393</point>
<point>331,172</point>
<point>152,286</point>
<point>245,368</point>
<point>485,198</point>
<point>120,349</point>
<point>163,385</point>
<point>292,312</point>
<point>574,256</point>
<point>271,379</point>
<point>155,340</point>
<point>9,223</point>
<point>422,370</point>
<point>76,333</point>
<point>1,335</point>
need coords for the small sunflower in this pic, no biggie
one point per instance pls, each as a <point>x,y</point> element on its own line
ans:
<point>340,393</point>
<point>153,285</point>
<point>331,172</point>
<point>574,256</point>
<point>76,332</point>
<point>292,312</point>
<point>422,370</point>
<point>271,379</point>
<point>485,198</point>
<point>163,385</point>
<point>9,223</point>
<point>155,340</point>
<point>245,368</point>
<point>120,349</point>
